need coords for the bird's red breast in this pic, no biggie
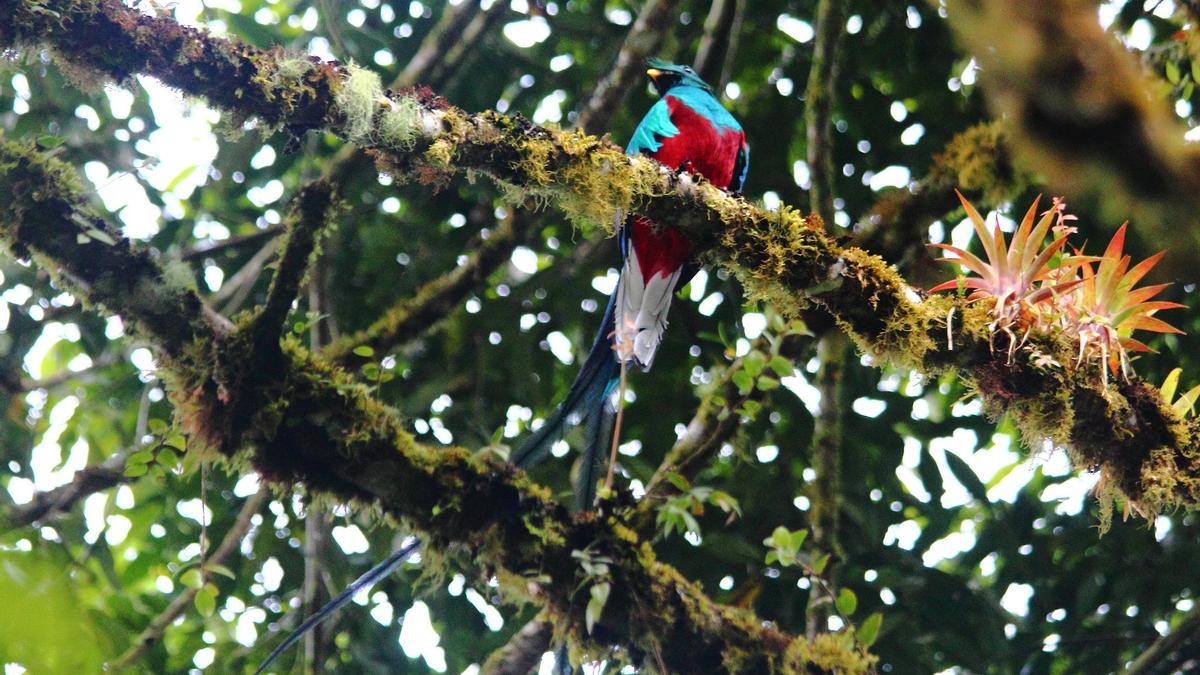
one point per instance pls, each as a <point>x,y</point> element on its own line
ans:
<point>698,147</point>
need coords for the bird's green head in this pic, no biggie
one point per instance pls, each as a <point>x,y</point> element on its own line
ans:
<point>664,75</point>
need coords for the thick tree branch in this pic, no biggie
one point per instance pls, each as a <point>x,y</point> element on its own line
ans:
<point>1084,115</point>
<point>718,47</point>
<point>304,422</point>
<point>818,106</point>
<point>832,347</point>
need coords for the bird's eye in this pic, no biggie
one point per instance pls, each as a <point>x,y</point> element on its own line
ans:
<point>688,69</point>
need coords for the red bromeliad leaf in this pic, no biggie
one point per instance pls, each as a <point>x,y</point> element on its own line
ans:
<point>1036,287</point>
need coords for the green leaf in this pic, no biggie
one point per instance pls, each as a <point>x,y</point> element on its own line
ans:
<point>101,236</point>
<point>167,459</point>
<point>679,481</point>
<point>1172,69</point>
<point>781,366</point>
<point>136,470</point>
<point>869,630</point>
<point>743,380</point>
<point>767,383</point>
<point>819,564</point>
<point>157,427</point>
<point>966,475</point>
<point>750,408</point>
<point>754,362</point>
<point>223,571</point>
<point>847,602</point>
<point>206,600</point>
<point>192,578</point>
<point>797,539</point>
<point>179,178</point>
<point>595,606</point>
<point>140,457</point>
<point>49,142</point>
<point>365,351</point>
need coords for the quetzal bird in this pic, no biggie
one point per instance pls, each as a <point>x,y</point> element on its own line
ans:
<point>686,129</point>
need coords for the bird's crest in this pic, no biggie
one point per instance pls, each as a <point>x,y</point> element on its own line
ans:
<point>665,75</point>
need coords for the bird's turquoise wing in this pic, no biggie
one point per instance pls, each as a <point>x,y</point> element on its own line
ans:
<point>741,167</point>
<point>654,126</point>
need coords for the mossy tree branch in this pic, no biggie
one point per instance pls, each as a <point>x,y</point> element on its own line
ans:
<point>435,300</point>
<point>302,421</point>
<point>1125,429</point>
<point>310,212</point>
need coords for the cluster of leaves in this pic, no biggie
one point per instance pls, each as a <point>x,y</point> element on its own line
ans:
<point>162,453</point>
<point>784,549</point>
<point>598,579</point>
<point>1036,287</point>
<point>679,513</point>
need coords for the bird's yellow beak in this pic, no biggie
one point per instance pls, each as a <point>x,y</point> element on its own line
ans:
<point>653,73</point>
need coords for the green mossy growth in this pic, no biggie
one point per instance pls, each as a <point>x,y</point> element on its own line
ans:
<point>829,652</point>
<point>979,160</point>
<point>401,123</point>
<point>357,99</point>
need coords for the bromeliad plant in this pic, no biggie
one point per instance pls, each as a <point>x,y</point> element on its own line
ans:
<point>1107,308</point>
<point>1037,286</point>
<point>1022,276</point>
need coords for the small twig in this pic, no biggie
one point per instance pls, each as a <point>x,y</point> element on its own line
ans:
<point>434,301</point>
<point>85,483</point>
<point>237,287</point>
<point>714,56</point>
<point>180,604</point>
<point>231,243</point>
<point>616,439</point>
<point>523,651</point>
<point>1171,650</point>
<point>642,41</point>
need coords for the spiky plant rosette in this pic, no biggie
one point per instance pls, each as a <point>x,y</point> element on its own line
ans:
<point>1022,277</point>
<point>1107,307</point>
<point>1037,287</point>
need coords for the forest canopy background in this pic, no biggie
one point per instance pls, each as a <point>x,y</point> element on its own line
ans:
<point>933,515</point>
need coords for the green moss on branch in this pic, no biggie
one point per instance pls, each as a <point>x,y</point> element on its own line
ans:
<point>298,419</point>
